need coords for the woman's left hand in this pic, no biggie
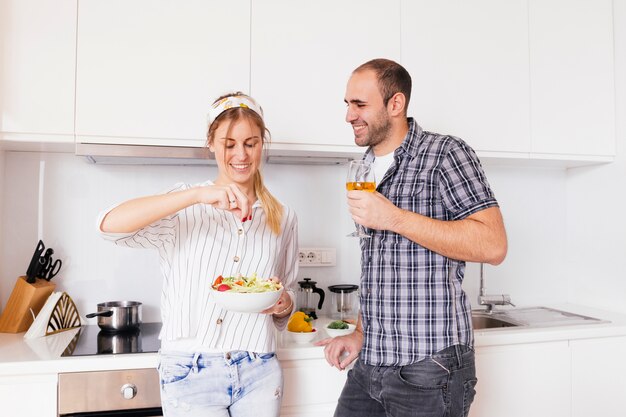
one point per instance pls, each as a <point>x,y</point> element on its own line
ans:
<point>284,304</point>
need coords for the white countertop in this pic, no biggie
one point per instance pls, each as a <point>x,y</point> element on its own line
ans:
<point>19,356</point>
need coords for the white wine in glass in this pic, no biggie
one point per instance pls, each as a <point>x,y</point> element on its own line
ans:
<point>360,177</point>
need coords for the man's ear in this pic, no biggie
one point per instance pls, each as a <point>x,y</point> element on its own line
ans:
<point>396,105</point>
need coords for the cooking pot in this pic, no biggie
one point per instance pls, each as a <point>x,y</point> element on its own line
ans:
<point>118,316</point>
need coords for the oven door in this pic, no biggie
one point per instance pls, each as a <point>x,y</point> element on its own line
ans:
<point>125,393</point>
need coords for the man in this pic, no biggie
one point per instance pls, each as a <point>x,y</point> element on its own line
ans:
<point>432,211</point>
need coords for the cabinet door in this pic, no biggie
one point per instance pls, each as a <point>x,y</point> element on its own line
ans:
<point>571,70</point>
<point>148,70</point>
<point>302,56</point>
<point>311,388</point>
<point>38,57</point>
<point>523,380</point>
<point>469,64</point>
<point>598,377</point>
<point>32,396</point>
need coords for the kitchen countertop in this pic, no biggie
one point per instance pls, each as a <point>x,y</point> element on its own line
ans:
<point>19,357</point>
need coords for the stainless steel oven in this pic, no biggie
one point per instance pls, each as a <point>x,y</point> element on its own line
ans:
<point>125,393</point>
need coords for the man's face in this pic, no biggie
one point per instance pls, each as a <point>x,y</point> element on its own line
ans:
<point>366,112</point>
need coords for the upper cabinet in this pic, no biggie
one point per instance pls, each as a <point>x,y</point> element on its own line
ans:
<point>38,58</point>
<point>148,70</point>
<point>572,77</point>
<point>469,65</point>
<point>522,79</point>
<point>302,56</point>
<point>525,78</point>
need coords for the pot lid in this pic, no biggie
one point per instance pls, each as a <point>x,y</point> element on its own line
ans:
<point>343,288</point>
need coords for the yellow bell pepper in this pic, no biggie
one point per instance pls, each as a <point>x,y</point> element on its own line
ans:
<point>300,322</point>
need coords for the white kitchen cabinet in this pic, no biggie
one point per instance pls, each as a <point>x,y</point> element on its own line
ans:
<point>598,377</point>
<point>523,380</point>
<point>147,71</point>
<point>312,388</point>
<point>572,77</point>
<point>302,56</point>
<point>469,65</point>
<point>38,57</point>
<point>29,396</point>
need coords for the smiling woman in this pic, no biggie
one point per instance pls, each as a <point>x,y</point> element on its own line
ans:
<point>231,226</point>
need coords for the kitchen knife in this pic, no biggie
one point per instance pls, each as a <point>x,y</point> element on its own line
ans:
<point>31,272</point>
<point>44,263</point>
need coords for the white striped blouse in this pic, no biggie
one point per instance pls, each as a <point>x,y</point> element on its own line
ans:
<point>196,245</point>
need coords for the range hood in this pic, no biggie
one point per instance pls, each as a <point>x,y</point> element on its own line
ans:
<point>278,153</point>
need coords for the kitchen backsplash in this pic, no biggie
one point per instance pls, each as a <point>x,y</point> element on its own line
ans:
<point>74,192</point>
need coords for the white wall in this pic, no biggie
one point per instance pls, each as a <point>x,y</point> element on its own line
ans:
<point>95,270</point>
<point>596,202</point>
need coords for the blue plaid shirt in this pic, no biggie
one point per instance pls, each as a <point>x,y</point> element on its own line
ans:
<point>412,303</point>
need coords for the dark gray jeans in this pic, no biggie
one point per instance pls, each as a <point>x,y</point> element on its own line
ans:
<point>439,386</point>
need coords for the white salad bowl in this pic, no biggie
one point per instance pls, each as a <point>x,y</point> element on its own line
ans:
<point>246,302</point>
<point>340,332</point>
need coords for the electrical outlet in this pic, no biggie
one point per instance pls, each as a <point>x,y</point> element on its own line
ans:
<point>317,257</point>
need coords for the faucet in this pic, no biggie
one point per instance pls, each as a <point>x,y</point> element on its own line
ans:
<point>491,300</point>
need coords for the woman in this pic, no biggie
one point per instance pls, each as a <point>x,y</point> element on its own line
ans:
<point>215,362</point>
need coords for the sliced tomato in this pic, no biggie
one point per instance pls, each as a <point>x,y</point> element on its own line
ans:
<point>218,281</point>
<point>223,287</point>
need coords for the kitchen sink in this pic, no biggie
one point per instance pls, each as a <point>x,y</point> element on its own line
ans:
<point>486,321</point>
<point>529,317</point>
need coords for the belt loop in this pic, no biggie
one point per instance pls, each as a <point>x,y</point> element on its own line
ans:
<point>194,362</point>
<point>252,355</point>
<point>459,359</point>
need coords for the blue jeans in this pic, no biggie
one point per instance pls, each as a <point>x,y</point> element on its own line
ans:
<point>234,384</point>
<point>439,386</point>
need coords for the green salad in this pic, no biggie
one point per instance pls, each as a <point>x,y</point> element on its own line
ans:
<point>242,283</point>
<point>338,324</point>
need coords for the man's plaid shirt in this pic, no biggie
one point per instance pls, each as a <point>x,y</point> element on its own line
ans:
<point>412,304</point>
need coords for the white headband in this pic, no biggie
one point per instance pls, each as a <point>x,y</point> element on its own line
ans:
<point>229,102</point>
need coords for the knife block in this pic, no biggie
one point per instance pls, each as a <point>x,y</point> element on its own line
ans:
<point>17,317</point>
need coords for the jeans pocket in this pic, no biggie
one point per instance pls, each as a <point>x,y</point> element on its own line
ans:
<point>423,383</point>
<point>425,374</point>
<point>173,372</point>
<point>266,356</point>
<point>469,392</point>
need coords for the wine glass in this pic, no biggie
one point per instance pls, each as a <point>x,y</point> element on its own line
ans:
<point>360,177</point>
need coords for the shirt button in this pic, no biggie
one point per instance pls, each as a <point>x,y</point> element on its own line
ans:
<point>236,259</point>
<point>219,321</point>
<point>239,231</point>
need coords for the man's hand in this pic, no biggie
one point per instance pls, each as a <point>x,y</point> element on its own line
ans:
<point>341,351</point>
<point>372,210</point>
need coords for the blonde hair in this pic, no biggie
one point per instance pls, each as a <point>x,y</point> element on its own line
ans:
<point>272,207</point>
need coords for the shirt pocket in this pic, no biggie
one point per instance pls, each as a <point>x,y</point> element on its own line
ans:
<point>415,196</point>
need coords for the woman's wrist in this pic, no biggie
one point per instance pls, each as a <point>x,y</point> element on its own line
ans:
<point>285,312</point>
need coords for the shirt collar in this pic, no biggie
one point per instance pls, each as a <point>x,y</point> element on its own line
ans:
<point>409,145</point>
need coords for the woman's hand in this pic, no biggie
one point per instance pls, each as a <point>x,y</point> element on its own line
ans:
<point>283,306</point>
<point>226,197</point>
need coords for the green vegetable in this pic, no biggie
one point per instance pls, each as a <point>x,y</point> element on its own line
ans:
<point>337,324</point>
